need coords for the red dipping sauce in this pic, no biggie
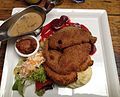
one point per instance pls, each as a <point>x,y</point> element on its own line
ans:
<point>26,46</point>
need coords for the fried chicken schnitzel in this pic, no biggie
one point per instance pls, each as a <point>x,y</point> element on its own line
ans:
<point>67,52</point>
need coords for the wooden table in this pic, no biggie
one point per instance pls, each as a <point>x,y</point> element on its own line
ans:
<point>111,6</point>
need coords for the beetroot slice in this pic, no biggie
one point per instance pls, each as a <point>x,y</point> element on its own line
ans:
<point>83,27</point>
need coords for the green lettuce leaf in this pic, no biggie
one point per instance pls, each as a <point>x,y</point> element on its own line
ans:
<point>40,92</point>
<point>19,86</point>
<point>38,75</point>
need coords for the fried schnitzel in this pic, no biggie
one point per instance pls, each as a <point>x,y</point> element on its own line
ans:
<point>66,53</point>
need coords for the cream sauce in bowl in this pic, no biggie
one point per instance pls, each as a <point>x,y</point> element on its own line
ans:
<point>27,23</point>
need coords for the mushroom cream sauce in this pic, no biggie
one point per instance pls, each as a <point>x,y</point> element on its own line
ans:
<point>27,23</point>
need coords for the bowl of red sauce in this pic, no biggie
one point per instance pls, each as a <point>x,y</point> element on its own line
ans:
<point>27,46</point>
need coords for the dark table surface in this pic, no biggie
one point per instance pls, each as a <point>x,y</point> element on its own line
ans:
<point>111,6</point>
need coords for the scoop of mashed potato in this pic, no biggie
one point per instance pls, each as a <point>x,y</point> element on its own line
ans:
<point>83,78</point>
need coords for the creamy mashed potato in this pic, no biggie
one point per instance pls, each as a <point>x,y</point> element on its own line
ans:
<point>83,78</point>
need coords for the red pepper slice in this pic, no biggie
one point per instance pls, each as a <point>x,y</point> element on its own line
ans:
<point>40,85</point>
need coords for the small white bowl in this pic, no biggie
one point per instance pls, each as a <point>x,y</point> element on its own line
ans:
<point>27,55</point>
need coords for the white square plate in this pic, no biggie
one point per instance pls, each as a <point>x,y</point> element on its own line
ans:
<point>104,81</point>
